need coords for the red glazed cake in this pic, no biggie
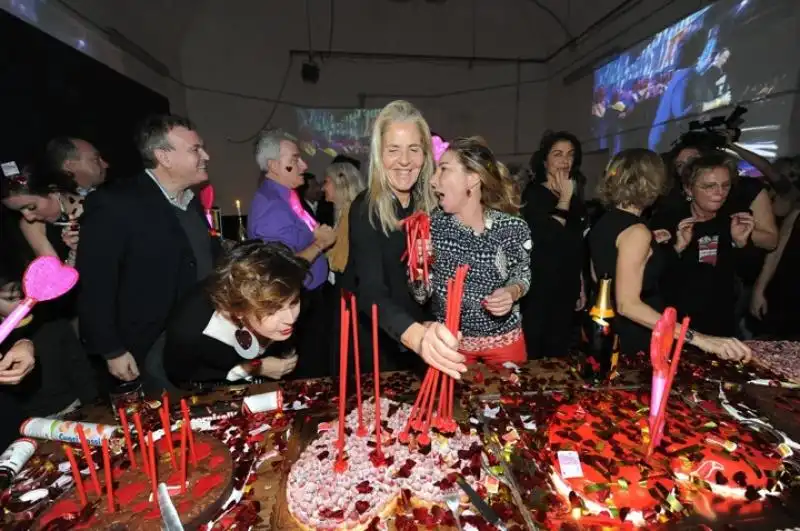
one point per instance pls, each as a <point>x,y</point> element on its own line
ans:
<point>209,484</point>
<point>320,498</point>
<point>700,461</point>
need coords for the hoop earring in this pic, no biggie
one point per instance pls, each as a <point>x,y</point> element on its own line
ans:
<point>689,198</point>
<point>246,345</point>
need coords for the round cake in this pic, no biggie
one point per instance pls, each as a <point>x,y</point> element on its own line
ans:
<point>318,497</point>
<point>208,486</point>
<point>700,461</point>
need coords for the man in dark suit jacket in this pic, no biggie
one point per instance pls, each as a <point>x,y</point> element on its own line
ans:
<point>144,243</point>
<point>314,201</point>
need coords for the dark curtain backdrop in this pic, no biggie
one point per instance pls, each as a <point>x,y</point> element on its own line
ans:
<point>49,89</point>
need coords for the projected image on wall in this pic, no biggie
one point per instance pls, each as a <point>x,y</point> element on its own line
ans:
<point>730,52</point>
<point>336,132</point>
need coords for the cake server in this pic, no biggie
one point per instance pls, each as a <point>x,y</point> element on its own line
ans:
<point>482,507</point>
<point>169,515</point>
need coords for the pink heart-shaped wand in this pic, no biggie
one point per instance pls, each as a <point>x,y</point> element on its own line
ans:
<point>45,279</point>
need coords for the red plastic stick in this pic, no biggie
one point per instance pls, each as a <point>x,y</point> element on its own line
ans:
<point>153,469</point>
<point>190,435</point>
<point>168,435</point>
<point>184,464</point>
<point>126,430</point>
<point>673,368</point>
<point>424,438</point>
<point>341,465</point>
<point>362,429</point>
<point>377,377</point>
<point>419,420</point>
<point>109,482</point>
<point>76,475</point>
<point>137,421</point>
<point>87,454</point>
<point>415,408</point>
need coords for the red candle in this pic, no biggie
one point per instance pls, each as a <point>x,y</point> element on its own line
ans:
<point>343,333</point>
<point>109,483</point>
<point>376,364</point>
<point>184,429</point>
<point>153,469</point>
<point>165,403</point>
<point>341,464</point>
<point>188,420</point>
<point>362,430</point>
<point>168,435</point>
<point>87,454</point>
<point>123,417</point>
<point>412,418</point>
<point>137,421</point>
<point>76,475</point>
<point>168,426</point>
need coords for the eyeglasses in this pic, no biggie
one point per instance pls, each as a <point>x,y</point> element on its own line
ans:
<point>716,187</point>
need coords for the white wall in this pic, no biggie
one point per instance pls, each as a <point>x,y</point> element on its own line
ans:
<point>232,57</point>
<point>249,55</point>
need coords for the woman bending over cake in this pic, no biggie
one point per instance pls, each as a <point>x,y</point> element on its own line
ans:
<point>478,224</point>
<point>231,326</point>
<point>623,248</point>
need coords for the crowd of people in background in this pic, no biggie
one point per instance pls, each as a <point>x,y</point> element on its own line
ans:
<point>164,301</point>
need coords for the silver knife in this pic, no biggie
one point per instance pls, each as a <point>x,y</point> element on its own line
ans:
<point>494,447</point>
<point>482,507</point>
<point>169,515</point>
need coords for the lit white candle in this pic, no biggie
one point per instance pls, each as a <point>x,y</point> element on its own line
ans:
<point>238,208</point>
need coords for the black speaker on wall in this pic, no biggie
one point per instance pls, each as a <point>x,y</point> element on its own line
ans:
<point>48,89</point>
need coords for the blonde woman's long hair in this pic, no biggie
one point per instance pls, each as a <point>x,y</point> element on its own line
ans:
<point>348,182</point>
<point>380,197</point>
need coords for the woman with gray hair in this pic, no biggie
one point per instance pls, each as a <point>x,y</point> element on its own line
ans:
<point>343,182</point>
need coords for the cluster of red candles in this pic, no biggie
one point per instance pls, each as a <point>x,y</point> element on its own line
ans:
<point>422,416</point>
<point>148,449</point>
<point>418,236</point>
<point>664,369</point>
<point>349,316</point>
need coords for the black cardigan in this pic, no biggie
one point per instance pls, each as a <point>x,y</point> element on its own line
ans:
<point>135,262</point>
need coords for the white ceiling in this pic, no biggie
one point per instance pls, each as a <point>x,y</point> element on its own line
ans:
<point>502,28</point>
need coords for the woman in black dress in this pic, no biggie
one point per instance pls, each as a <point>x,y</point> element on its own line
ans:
<point>624,249</point>
<point>231,327</point>
<point>556,216</point>
<point>401,165</point>
<point>713,233</point>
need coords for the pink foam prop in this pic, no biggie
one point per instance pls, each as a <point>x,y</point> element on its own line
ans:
<point>439,147</point>
<point>207,197</point>
<point>45,279</point>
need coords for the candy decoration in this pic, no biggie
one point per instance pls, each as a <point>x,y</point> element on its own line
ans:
<point>45,279</point>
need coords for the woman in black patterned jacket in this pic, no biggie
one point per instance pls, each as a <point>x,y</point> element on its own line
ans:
<point>478,224</point>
